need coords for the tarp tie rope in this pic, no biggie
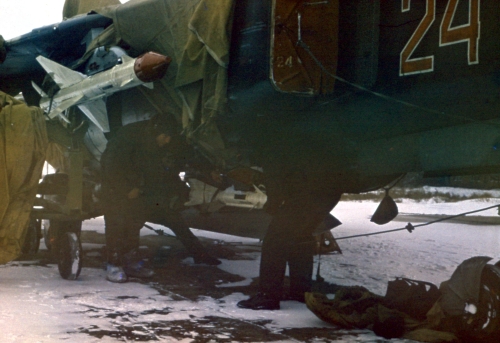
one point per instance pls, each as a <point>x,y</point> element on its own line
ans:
<point>410,227</point>
<point>393,183</point>
<point>319,278</point>
<point>50,104</point>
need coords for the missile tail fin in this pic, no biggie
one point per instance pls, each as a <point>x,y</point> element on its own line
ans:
<point>148,85</point>
<point>63,76</point>
<point>39,90</point>
<point>64,118</point>
<point>97,113</point>
<point>64,106</point>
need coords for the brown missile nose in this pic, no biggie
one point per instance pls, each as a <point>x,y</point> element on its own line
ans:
<point>151,66</point>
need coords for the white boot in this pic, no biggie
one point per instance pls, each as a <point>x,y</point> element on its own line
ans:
<point>115,274</point>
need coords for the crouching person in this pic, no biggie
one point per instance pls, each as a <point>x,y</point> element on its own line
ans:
<point>140,182</point>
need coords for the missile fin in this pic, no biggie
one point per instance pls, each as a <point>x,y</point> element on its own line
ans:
<point>64,118</point>
<point>64,106</point>
<point>97,113</point>
<point>63,76</point>
<point>148,85</point>
<point>39,90</point>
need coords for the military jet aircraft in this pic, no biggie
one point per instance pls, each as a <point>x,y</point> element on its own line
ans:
<point>325,97</point>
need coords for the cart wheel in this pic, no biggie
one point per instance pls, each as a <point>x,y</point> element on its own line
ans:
<point>484,324</point>
<point>32,239</point>
<point>70,255</point>
<point>48,234</point>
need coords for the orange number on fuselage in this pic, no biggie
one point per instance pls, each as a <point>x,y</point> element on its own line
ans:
<point>464,33</point>
<point>469,33</point>
<point>410,65</point>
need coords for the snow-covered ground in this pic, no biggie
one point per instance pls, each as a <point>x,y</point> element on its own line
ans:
<point>429,253</point>
<point>36,305</point>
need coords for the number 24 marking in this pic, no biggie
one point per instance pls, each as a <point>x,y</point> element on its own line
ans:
<point>448,35</point>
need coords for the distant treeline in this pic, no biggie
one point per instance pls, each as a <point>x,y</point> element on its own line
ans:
<point>484,181</point>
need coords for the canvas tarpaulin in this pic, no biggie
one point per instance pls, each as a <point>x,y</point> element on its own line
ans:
<point>75,7</point>
<point>23,140</point>
<point>448,320</point>
<point>357,308</point>
<point>196,35</point>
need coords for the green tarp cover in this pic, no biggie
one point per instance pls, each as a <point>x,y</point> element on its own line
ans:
<point>75,7</point>
<point>357,308</point>
<point>23,140</point>
<point>196,35</point>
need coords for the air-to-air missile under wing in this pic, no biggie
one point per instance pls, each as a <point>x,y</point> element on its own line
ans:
<point>87,91</point>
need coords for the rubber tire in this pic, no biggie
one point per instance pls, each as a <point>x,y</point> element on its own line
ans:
<point>70,255</point>
<point>32,239</point>
<point>484,325</point>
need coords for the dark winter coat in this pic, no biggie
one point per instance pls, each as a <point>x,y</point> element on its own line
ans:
<point>133,159</point>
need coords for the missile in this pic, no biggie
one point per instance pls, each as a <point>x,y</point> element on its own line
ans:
<point>252,199</point>
<point>88,92</point>
<point>202,193</point>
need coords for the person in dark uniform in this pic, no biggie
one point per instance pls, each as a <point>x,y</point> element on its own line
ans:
<point>299,199</point>
<point>140,182</point>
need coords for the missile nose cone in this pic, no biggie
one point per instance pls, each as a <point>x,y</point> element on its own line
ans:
<point>151,66</point>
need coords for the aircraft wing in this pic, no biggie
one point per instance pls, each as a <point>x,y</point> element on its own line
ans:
<point>61,42</point>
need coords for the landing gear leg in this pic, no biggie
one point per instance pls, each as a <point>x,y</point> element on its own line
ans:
<point>48,234</point>
<point>32,239</point>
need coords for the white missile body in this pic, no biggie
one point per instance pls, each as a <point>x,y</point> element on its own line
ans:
<point>87,92</point>
<point>202,193</point>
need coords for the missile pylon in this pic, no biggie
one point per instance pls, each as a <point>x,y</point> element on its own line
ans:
<point>88,92</point>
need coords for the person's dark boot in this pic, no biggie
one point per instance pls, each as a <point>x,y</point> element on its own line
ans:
<point>260,301</point>
<point>194,246</point>
<point>134,267</point>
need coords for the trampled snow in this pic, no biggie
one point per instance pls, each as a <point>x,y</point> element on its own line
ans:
<point>36,305</point>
